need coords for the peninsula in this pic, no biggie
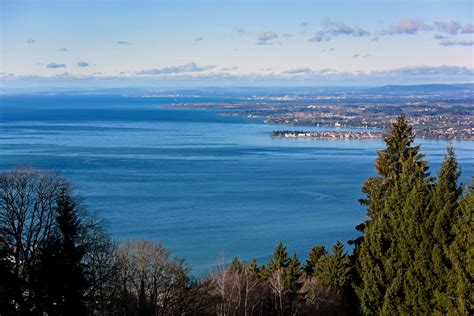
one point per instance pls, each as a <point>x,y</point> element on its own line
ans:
<point>327,134</point>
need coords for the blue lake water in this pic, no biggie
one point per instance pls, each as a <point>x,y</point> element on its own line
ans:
<point>204,185</point>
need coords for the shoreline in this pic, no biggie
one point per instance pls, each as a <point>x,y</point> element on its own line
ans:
<point>346,135</point>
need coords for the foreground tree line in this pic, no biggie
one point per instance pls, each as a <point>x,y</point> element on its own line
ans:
<point>414,254</point>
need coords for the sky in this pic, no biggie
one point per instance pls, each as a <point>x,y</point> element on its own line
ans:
<point>105,43</point>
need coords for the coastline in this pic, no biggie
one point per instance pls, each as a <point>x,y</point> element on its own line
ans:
<point>346,135</point>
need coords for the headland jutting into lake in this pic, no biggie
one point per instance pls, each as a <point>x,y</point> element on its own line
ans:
<point>326,134</point>
<point>434,111</point>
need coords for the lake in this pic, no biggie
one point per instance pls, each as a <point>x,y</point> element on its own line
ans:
<point>206,186</point>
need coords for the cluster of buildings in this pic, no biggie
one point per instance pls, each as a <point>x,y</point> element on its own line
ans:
<point>327,134</point>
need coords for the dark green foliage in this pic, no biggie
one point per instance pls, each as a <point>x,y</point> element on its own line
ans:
<point>401,172</point>
<point>404,259</point>
<point>390,163</point>
<point>292,275</point>
<point>253,265</point>
<point>313,258</point>
<point>461,253</point>
<point>236,266</point>
<point>280,258</point>
<point>334,270</point>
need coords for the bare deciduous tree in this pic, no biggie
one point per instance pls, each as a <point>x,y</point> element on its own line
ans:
<point>147,275</point>
<point>227,286</point>
<point>277,286</point>
<point>318,298</point>
<point>27,216</point>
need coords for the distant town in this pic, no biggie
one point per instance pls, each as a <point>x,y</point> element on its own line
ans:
<point>434,111</point>
<point>327,134</point>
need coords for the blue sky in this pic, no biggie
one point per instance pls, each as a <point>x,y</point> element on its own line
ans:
<point>210,43</point>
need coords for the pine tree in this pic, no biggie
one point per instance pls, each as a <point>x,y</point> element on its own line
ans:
<point>334,269</point>
<point>280,258</point>
<point>292,275</point>
<point>407,264</point>
<point>252,266</point>
<point>313,258</point>
<point>401,168</point>
<point>460,284</point>
<point>444,206</point>
<point>236,266</point>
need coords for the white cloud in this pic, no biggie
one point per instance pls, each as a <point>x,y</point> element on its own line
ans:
<point>449,27</point>
<point>421,71</point>
<point>266,37</point>
<point>295,77</point>
<point>439,37</point>
<point>82,64</point>
<point>294,71</point>
<point>332,29</point>
<point>363,56</point>
<point>467,29</point>
<point>186,68</point>
<point>319,37</point>
<point>456,43</point>
<point>55,65</point>
<point>408,26</point>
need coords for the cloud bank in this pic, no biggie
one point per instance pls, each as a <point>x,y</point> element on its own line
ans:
<point>186,68</point>
<point>55,65</point>
<point>456,43</point>
<point>449,27</point>
<point>332,29</point>
<point>407,26</point>
<point>302,76</point>
<point>266,37</point>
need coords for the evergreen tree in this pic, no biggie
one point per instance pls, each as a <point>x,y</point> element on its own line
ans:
<point>401,168</point>
<point>407,264</point>
<point>313,258</point>
<point>236,266</point>
<point>460,284</point>
<point>334,270</point>
<point>280,258</point>
<point>252,266</point>
<point>444,206</point>
<point>292,275</point>
<point>263,272</point>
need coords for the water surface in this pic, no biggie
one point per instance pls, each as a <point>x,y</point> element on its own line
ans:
<point>203,184</point>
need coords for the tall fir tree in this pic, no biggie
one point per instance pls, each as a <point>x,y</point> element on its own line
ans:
<point>460,284</point>
<point>444,207</point>
<point>334,270</point>
<point>313,258</point>
<point>292,275</point>
<point>280,258</point>
<point>401,168</point>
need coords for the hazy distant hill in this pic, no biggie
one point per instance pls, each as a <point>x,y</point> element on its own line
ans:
<point>423,89</point>
<point>260,91</point>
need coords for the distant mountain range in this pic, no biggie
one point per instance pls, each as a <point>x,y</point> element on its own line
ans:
<point>261,91</point>
<point>423,88</point>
